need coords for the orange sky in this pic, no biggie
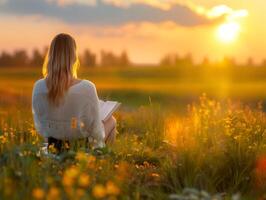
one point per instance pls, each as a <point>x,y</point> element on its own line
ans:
<point>146,41</point>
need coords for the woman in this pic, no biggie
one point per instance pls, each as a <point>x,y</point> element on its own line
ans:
<point>65,107</point>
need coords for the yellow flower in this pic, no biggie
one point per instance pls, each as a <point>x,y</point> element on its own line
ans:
<point>122,171</point>
<point>112,189</point>
<point>52,149</point>
<point>69,191</point>
<point>3,139</point>
<point>66,145</point>
<point>81,156</point>
<point>53,193</point>
<point>146,164</point>
<point>98,191</point>
<point>38,193</point>
<point>72,172</point>
<point>84,180</point>
<point>80,192</point>
<point>91,159</point>
<point>91,162</point>
<point>69,176</point>
<point>155,175</point>
<point>67,181</point>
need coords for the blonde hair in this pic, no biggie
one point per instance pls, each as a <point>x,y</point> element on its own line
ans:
<point>60,67</point>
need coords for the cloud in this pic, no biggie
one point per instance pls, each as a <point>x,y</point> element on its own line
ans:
<point>211,13</point>
<point>218,11</point>
<point>70,2</point>
<point>120,12</point>
<point>162,4</point>
<point>2,1</point>
<point>105,13</point>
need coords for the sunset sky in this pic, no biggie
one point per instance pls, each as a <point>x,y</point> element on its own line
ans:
<point>146,29</point>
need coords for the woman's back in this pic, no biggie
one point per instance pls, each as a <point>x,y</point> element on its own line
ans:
<point>77,116</point>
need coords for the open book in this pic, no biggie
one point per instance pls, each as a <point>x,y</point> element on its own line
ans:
<point>107,108</point>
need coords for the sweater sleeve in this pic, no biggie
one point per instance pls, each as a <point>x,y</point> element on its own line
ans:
<point>36,110</point>
<point>91,118</point>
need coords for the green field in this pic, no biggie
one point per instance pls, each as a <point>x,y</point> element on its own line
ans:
<point>194,132</point>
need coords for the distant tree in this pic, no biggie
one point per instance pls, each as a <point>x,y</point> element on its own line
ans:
<point>37,58</point>
<point>124,60</point>
<point>169,60</point>
<point>88,58</point>
<point>229,61</point>
<point>186,60</point>
<point>206,61</point>
<point>250,62</point>
<point>20,58</point>
<point>110,59</point>
<point>263,63</point>
<point>6,59</point>
<point>107,58</point>
<point>176,60</point>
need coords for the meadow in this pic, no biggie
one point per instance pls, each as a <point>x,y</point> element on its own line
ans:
<point>183,133</point>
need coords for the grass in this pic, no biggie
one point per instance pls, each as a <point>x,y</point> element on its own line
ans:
<point>212,148</point>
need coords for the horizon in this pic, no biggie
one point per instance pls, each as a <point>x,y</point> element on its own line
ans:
<point>98,57</point>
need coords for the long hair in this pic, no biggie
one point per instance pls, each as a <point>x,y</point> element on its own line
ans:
<point>60,67</point>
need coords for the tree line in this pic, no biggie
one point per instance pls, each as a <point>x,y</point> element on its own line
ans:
<point>187,60</point>
<point>21,58</point>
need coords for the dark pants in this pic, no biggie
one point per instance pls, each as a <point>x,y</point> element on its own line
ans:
<point>58,145</point>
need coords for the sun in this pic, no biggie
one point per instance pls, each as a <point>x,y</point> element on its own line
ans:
<point>228,32</point>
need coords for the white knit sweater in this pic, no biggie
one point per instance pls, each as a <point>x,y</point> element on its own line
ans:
<point>77,117</point>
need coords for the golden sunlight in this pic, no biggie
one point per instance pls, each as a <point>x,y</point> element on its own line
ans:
<point>228,32</point>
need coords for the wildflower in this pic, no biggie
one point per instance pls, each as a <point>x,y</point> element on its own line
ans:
<point>91,158</point>
<point>72,172</point>
<point>80,192</point>
<point>3,139</point>
<point>66,145</point>
<point>112,189</point>
<point>69,176</point>
<point>69,191</point>
<point>146,164</point>
<point>38,193</point>
<point>91,161</point>
<point>52,149</point>
<point>98,191</point>
<point>81,156</point>
<point>84,180</point>
<point>53,193</point>
<point>33,132</point>
<point>122,170</point>
<point>67,181</point>
<point>155,175</point>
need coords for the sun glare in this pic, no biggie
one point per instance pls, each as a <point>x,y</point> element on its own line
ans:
<point>228,32</point>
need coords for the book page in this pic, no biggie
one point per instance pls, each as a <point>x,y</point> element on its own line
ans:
<point>107,108</point>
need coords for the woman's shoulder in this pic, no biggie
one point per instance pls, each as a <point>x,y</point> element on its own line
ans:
<point>40,85</point>
<point>87,84</point>
<point>84,86</point>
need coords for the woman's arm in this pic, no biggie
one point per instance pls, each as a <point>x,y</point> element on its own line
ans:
<point>91,117</point>
<point>36,108</point>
